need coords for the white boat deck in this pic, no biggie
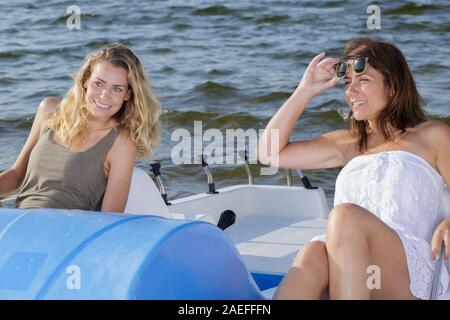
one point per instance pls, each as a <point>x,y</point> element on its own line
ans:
<point>270,244</point>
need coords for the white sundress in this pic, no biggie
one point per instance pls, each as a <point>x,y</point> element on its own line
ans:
<point>404,191</point>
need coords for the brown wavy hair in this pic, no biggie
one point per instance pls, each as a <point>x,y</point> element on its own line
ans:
<point>405,109</point>
<point>139,115</point>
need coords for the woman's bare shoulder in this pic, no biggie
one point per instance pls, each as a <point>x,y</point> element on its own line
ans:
<point>123,148</point>
<point>49,104</point>
<point>124,142</point>
<point>435,133</point>
<point>430,124</point>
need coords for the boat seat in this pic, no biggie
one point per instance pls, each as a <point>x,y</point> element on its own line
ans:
<point>144,197</point>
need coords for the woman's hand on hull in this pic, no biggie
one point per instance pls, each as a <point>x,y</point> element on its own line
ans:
<point>441,235</point>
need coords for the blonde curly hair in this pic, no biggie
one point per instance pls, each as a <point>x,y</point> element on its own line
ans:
<point>139,115</point>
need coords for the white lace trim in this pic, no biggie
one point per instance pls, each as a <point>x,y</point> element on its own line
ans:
<point>420,272</point>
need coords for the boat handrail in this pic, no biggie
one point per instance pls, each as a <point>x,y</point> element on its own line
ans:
<point>437,274</point>
<point>211,184</point>
<point>244,156</point>
<point>302,177</point>
<point>155,167</point>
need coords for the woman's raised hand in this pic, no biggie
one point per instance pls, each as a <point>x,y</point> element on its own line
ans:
<point>319,76</point>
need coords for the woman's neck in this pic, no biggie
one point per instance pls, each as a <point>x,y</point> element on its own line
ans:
<point>102,125</point>
<point>376,132</point>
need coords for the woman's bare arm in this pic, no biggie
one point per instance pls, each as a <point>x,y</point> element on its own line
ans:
<point>322,152</point>
<point>438,135</point>
<point>123,157</point>
<point>12,178</point>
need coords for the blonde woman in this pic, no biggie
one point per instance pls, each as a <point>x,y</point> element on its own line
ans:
<point>81,150</point>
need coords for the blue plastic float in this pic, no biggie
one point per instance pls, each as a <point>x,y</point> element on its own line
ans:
<point>67,254</point>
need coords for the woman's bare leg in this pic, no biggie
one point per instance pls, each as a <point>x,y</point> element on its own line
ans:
<point>357,239</point>
<point>307,279</point>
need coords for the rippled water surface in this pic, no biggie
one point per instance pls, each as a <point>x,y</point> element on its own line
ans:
<point>230,64</point>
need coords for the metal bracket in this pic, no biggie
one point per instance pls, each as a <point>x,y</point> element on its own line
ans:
<point>437,274</point>
<point>304,179</point>
<point>288,177</point>
<point>157,173</point>
<point>244,156</point>
<point>211,185</point>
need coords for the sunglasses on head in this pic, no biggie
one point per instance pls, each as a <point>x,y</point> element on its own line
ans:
<point>359,66</point>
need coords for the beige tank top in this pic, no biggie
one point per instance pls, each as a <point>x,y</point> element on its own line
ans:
<point>59,178</point>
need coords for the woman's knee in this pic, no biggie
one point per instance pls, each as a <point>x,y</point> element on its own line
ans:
<point>348,224</point>
<point>313,256</point>
<point>344,220</point>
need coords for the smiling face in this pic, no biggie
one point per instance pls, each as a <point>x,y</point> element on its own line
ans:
<point>106,91</point>
<point>366,93</point>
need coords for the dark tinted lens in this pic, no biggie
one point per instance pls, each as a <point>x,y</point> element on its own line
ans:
<point>341,70</point>
<point>359,65</point>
